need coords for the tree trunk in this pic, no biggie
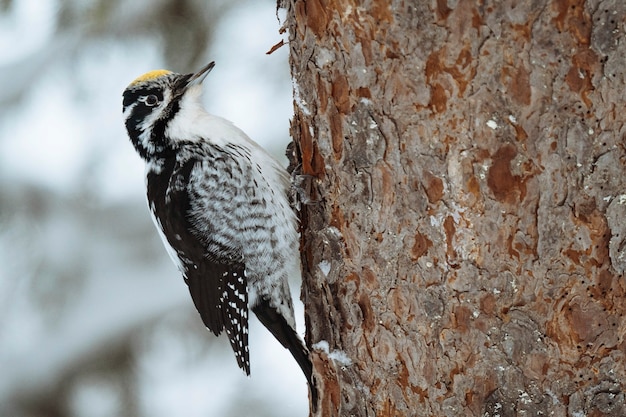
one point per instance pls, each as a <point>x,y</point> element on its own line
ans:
<point>465,244</point>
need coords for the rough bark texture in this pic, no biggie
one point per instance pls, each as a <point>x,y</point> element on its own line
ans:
<point>466,246</point>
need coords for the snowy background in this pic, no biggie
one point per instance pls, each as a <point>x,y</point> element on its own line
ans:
<point>94,318</point>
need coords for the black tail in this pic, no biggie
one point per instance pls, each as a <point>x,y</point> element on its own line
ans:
<point>288,337</point>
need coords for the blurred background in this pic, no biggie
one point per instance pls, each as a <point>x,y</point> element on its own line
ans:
<point>94,318</point>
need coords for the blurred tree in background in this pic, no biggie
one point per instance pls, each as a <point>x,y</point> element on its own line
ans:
<point>94,319</point>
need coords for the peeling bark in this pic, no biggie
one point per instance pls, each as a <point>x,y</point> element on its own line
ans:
<point>466,246</point>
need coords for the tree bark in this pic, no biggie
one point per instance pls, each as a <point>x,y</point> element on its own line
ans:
<point>464,247</point>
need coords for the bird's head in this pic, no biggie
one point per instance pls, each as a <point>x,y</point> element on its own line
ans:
<point>152,105</point>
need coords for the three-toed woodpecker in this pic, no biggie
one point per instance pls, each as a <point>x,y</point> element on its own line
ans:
<point>220,203</point>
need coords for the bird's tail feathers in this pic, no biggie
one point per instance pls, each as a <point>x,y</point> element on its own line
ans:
<point>287,336</point>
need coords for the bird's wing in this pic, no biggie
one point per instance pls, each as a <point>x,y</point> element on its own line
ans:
<point>226,302</point>
<point>216,279</point>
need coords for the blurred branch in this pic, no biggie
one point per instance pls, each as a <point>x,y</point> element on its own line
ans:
<point>185,27</point>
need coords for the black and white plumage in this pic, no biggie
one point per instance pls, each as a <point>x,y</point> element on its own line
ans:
<point>220,203</point>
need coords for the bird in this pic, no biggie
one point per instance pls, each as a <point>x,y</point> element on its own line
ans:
<point>221,205</point>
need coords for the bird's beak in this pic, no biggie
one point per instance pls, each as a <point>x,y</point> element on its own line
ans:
<point>199,76</point>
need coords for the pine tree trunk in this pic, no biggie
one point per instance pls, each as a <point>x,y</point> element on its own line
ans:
<point>465,244</point>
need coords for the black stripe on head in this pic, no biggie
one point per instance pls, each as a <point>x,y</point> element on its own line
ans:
<point>158,130</point>
<point>139,112</point>
<point>178,86</point>
<point>132,96</point>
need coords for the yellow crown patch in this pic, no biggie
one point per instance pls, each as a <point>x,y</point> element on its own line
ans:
<point>148,76</point>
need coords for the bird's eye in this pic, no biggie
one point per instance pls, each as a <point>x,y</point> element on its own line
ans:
<point>151,100</point>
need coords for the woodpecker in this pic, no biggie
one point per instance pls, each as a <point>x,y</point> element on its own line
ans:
<point>221,205</point>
